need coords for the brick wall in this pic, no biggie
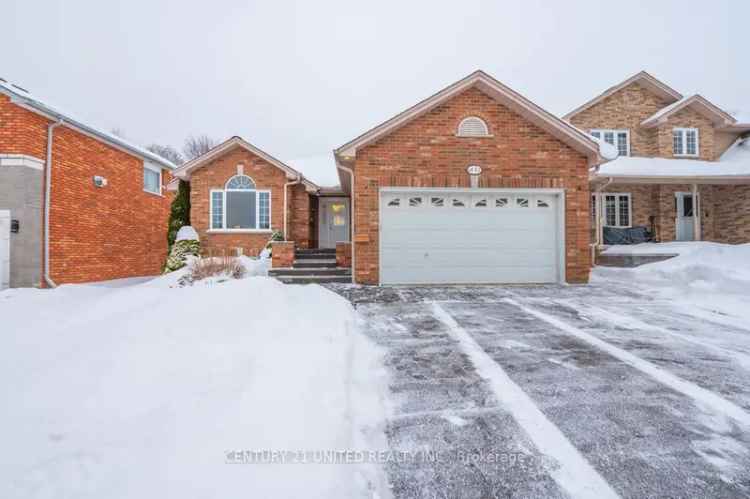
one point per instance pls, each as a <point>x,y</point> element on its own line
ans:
<point>215,174</point>
<point>103,233</point>
<point>344,254</point>
<point>687,118</point>
<point>282,254</point>
<point>427,153</point>
<point>95,233</point>
<point>625,109</point>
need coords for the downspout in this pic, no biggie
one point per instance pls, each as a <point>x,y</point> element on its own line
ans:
<point>598,207</point>
<point>351,217</point>
<point>286,206</point>
<point>47,194</point>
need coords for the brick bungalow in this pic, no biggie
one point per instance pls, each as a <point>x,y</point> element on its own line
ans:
<point>76,204</point>
<point>474,184</point>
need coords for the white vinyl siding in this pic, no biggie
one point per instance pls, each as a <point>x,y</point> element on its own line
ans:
<point>685,142</point>
<point>618,138</point>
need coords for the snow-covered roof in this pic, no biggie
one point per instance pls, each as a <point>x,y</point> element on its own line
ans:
<point>736,164</point>
<point>21,96</point>
<point>320,169</point>
<point>739,152</point>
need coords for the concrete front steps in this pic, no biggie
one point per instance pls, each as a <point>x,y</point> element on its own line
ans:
<point>313,266</point>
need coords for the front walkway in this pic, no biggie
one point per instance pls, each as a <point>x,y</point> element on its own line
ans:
<point>554,391</point>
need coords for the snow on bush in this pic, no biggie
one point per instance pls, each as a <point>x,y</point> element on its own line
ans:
<point>152,390</point>
<point>186,244</point>
<point>187,233</point>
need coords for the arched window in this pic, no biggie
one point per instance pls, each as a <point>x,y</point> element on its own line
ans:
<point>240,206</point>
<point>473,127</point>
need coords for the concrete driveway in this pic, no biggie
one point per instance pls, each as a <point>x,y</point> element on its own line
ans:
<point>554,391</point>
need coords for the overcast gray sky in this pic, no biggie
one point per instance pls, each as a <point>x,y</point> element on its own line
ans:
<point>300,78</point>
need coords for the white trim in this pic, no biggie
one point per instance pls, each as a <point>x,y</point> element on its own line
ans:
<point>560,216</point>
<point>614,131</point>
<point>239,231</point>
<point>562,130</point>
<point>223,192</point>
<point>21,160</point>
<point>683,132</point>
<point>603,212</point>
<point>156,169</point>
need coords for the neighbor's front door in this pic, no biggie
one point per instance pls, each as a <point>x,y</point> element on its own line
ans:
<point>334,221</point>
<point>684,221</point>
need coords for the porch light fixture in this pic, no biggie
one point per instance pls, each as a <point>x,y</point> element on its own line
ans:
<point>474,172</point>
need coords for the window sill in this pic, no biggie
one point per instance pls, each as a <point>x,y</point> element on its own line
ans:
<point>239,231</point>
<point>693,156</point>
<point>159,194</point>
<point>475,136</point>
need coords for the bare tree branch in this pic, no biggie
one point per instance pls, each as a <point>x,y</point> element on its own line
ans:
<point>197,145</point>
<point>167,152</point>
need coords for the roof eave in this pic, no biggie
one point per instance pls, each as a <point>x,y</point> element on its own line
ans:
<point>655,84</point>
<point>487,84</point>
<point>51,114</point>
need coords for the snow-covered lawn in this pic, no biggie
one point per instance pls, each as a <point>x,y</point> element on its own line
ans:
<point>148,389</point>
<point>705,276</point>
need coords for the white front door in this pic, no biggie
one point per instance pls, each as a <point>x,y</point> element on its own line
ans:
<point>684,221</point>
<point>433,236</point>
<point>4,249</point>
<point>334,221</point>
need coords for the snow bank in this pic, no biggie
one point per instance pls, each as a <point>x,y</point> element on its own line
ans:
<point>706,275</point>
<point>153,390</point>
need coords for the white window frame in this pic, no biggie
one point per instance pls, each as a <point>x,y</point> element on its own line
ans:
<point>683,132</point>
<point>148,166</point>
<point>614,131</point>
<point>484,123</point>
<point>603,204</point>
<point>224,209</point>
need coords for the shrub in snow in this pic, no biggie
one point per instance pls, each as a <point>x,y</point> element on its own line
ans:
<point>179,215</point>
<point>225,267</point>
<point>186,244</point>
<point>276,236</point>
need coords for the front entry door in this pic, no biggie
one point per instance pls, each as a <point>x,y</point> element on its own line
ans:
<point>334,221</point>
<point>684,221</point>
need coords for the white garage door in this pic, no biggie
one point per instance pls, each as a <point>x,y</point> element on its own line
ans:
<point>476,236</point>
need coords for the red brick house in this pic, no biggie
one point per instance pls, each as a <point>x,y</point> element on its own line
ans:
<point>679,156</point>
<point>76,204</point>
<point>474,184</point>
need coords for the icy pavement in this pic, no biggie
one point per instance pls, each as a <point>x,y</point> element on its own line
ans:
<point>513,391</point>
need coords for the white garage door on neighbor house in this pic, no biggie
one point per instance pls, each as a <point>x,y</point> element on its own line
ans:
<point>470,236</point>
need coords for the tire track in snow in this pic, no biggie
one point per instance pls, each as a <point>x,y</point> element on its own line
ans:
<point>708,399</point>
<point>574,474</point>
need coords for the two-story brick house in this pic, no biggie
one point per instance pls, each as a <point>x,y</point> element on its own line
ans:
<point>77,204</point>
<point>678,156</point>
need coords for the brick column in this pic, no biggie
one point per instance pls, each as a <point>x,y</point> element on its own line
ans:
<point>282,254</point>
<point>344,254</point>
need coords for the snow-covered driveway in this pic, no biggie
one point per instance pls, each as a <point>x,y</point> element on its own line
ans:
<point>595,391</point>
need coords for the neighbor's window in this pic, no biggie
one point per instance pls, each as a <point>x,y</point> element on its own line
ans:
<point>618,138</point>
<point>151,179</point>
<point>473,127</point>
<point>239,206</point>
<point>685,141</point>
<point>616,207</point>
